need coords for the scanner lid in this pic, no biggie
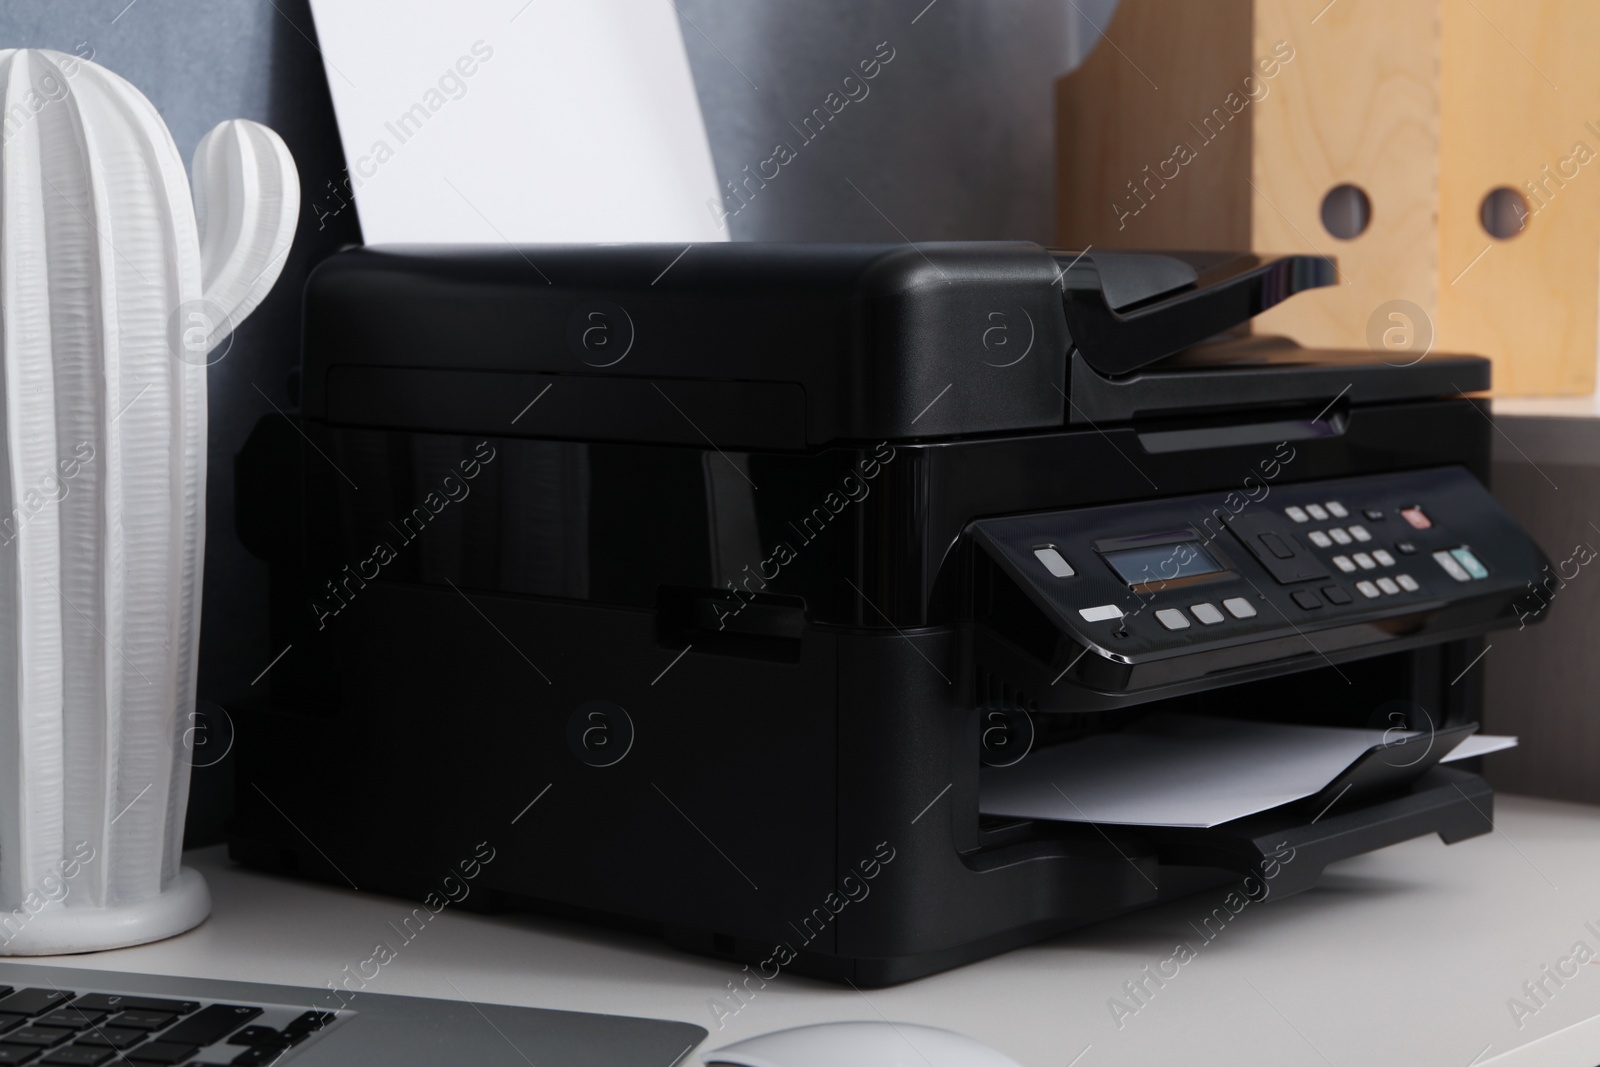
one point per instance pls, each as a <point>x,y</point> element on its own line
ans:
<point>795,346</point>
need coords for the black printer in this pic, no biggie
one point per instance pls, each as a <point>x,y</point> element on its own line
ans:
<point>700,584</point>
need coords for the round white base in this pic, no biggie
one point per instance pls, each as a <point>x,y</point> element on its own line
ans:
<point>56,931</point>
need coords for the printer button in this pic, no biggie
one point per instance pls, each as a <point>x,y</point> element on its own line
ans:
<point>1239,607</point>
<point>1306,599</point>
<point>1451,567</point>
<point>1275,545</point>
<point>1360,533</point>
<point>1383,558</point>
<point>1316,511</point>
<point>1417,518</point>
<point>1465,557</point>
<point>1336,509</point>
<point>1373,514</point>
<point>1100,613</point>
<point>1206,613</point>
<point>1340,537</point>
<point>1344,564</point>
<point>1388,586</point>
<point>1320,539</point>
<point>1368,590</point>
<point>1054,562</point>
<point>1297,514</point>
<point>1405,548</point>
<point>1408,583</point>
<point>1365,562</point>
<point>1337,594</point>
<point>1172,619</point>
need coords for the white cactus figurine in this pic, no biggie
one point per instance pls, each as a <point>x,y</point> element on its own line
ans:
<point>114,287</point>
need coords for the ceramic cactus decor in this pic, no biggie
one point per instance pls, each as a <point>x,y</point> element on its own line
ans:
<point>116,287</point>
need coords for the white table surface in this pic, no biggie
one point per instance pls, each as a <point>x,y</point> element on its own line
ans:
<point>1404,956</point>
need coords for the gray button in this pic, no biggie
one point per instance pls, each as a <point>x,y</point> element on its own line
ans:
<point>1451,567</point>
<point>1206,613</point>
<point>1383,557</point>
<point>1100,614</point>
<point>1388,586</point>
<point>1316,511</point>
<point>1367,589</point>
<point>1172,619</point>
<point>1320,539</point>
<point>1364,561</point>
<point>1408,583</point>
<point>1344,564</point>
<point>1053,562</point>
<point>1360,533</point>
<point>1336,509</point>
<point>1297,514</point>
<point>1239,607</point>
<point>1339,536</point>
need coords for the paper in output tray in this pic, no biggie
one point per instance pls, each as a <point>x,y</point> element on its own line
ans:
<point>1185,770</point>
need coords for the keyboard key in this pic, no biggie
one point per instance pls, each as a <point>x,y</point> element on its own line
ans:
<point>10,1021</point>
<point>260,1056</point>
<point>312,1021</point>
<point>17,1053</point>
<point>163,1053</point>
<point>146,1020</point>
<point>70,1019</point>
<point>114,1037</point>
<point>211,1024</point>
<point>92,1002</point>
<point>256,1035</point>
<point>38,1036</point>
<point>77,1056</point>
<point>35,1001</point>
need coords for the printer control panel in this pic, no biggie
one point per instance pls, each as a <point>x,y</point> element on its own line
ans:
<point>1227,580</point>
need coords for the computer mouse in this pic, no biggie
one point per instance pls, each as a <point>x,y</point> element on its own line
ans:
<point>858,1044</point>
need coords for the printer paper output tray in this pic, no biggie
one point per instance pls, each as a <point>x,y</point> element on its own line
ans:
<point>1294,844</point>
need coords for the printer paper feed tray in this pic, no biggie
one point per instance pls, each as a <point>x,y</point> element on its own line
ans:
<point>1210,589</point>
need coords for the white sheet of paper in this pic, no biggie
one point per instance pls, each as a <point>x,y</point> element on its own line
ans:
<point>1480,745</point>
<point>490,121</point>
<point>1178,770</point>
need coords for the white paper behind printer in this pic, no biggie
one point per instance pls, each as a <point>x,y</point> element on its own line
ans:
<point>578,121</point>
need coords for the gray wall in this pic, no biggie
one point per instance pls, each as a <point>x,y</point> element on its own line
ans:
<point>1541,682</point>
<point>955,141</point>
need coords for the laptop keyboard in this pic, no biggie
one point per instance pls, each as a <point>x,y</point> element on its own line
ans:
<point>61,1028</point>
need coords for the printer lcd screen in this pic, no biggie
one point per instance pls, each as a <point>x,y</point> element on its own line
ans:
<point>1162,563</point>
